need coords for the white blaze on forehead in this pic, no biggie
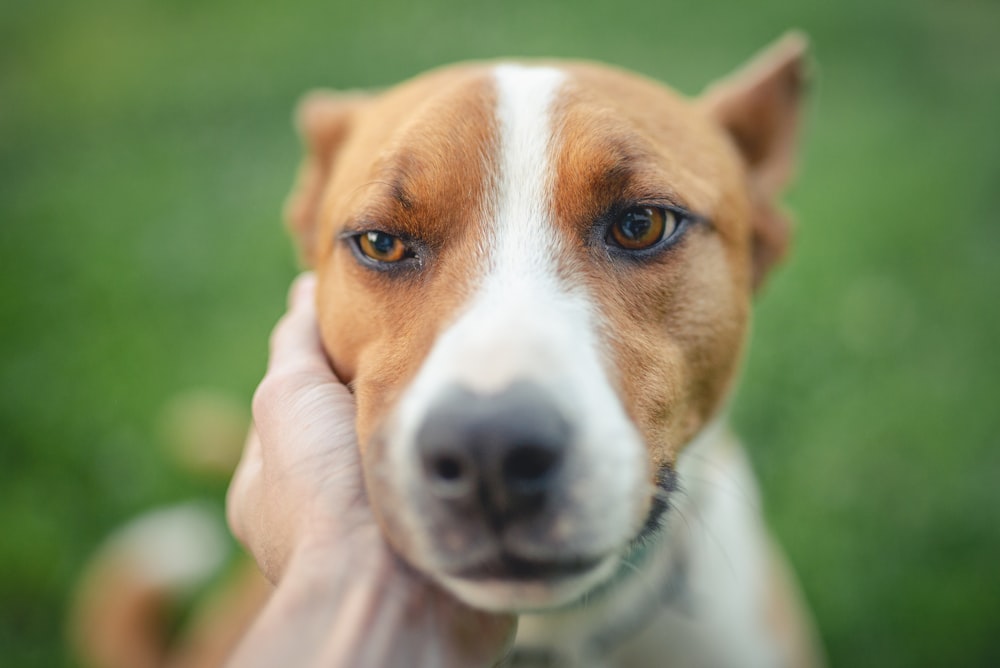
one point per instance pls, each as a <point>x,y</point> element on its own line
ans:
<point>524,236</point>
<point>521,246</point>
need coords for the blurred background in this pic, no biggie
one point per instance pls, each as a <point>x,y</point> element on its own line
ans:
<point>146,148</point>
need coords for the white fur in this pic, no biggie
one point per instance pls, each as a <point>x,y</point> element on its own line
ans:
<point>729,573</point>
<point>524,323</point>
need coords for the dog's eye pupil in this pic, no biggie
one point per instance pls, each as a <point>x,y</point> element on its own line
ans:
<point>382,243</point>
<point>640,227</point>
<point>635,225</point>
<point>382,247</point>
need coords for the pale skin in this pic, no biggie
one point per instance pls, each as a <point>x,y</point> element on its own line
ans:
<point>297,503</point>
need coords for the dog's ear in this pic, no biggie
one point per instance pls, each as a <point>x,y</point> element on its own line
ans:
<point>323,120</point>
<point>759,106</point>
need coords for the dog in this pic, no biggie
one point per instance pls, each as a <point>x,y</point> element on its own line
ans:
<point>536,277</point>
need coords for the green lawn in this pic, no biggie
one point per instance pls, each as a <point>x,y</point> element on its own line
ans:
<point>145,148</point>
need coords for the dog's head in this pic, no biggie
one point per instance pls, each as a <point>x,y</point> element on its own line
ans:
<point>537,278</point>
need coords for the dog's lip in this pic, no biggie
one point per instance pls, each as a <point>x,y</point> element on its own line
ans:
<point>507,566</point>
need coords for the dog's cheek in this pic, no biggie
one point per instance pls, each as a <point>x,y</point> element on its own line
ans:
<point>654,376</point>
<point>362,344</point>
<point>644,363</point>
<point>343,336</point>
<point>709,325</point>
<point>348,341</point>
<point>676,341</point>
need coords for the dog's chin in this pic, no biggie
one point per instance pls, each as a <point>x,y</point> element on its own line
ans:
<point>516,589</point>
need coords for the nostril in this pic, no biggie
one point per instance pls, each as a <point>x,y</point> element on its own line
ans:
<point>450,474</point>
<point>447,469</point>
<point>529,465</point>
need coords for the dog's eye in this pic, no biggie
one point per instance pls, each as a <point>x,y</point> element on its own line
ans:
<point>382,247</point>
<point>641,227</point>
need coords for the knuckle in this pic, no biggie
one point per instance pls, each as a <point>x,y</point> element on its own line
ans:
<point>280,393</point>
<point>268,397</point>
<point>279,333</point>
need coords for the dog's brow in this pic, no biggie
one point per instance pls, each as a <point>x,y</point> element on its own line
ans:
<point>397,187</point>
<point>625,171</point>
<point>615,179</point>
<point>616,160</point>
<point>616,175</point>
<point>393,176</point>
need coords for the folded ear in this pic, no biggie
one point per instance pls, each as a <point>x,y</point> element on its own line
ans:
<point>759,106</point>
<point>324,120</point>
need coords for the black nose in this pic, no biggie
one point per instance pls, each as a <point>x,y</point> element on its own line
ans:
<point>495,454</point>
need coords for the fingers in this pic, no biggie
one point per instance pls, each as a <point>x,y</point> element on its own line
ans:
<point>295,353</point>
<point>295,342</point>
<point>300,464</point>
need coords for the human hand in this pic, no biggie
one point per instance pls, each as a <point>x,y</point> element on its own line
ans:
<point>298,485</point>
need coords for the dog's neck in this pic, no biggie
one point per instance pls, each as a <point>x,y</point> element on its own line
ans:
<point>652,577</point>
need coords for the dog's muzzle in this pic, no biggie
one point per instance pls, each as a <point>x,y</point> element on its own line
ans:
<point>495,469</point>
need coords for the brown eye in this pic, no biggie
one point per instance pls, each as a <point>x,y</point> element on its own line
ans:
<point>640,227</point>
<point>382,247</point>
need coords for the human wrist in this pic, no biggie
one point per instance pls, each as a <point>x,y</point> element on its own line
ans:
<point>317,554</point>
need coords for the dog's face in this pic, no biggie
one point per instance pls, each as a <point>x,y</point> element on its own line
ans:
<point>536,278</point>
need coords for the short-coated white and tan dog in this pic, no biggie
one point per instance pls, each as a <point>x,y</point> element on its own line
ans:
<point>536,278</point>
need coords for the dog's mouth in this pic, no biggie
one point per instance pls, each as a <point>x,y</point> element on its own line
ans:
<point>507,566</point>
<point>504,578</point>
<point>507,582</point>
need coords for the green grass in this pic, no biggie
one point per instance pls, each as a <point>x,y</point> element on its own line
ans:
<point>145,148</point>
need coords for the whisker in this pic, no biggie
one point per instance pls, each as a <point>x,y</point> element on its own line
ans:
<point>736,488</point>
<point>630,566</point>
<point>690,514</point>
